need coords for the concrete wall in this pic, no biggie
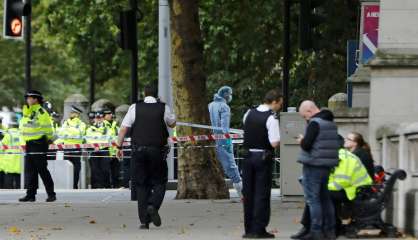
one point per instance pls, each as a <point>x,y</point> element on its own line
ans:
<point>398,24</point>
<point>393,99</point>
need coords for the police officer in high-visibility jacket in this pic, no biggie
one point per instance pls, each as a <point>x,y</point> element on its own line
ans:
<point>12,157</point>
<point>113,130</point>
<point>37,131</point>
<point>99,158</point>
<point>72,131</point>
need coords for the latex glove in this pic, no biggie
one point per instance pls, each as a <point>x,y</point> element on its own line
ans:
<point>228,145</point>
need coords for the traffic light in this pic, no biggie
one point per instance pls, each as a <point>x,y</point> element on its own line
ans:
<point>14,11</point>
<point>309,20</point>
<point>127,25</point>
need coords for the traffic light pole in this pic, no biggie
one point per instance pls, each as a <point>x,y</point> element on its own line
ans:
<point>134,78</point>
<point>134,57</point>
<point>28,48</point>
<point>286,55</point>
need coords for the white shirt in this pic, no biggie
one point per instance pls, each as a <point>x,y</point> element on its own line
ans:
<point>272,124</point>
<point>129,118</point>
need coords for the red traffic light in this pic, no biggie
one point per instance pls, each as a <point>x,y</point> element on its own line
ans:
<point>16,26</point>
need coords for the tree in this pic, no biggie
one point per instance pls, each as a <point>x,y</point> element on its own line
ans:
<point>200,175</point>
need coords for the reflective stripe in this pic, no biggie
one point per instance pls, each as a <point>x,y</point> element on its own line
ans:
<point>342,176</point>
<point>40,133</point>
<point>337,186</point>
<point>359,180</point>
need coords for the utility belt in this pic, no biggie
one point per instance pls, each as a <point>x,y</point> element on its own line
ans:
<point>164,149</point>
<point>263,153</point>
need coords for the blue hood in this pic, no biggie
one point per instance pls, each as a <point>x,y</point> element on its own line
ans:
<point>218,98</point>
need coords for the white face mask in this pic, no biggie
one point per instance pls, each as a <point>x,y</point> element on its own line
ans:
<point>229,98</point>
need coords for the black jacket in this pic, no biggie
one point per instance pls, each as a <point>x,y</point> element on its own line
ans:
<point>366,159</point>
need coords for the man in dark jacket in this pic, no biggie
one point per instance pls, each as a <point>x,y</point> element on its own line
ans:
<point>319,153</point>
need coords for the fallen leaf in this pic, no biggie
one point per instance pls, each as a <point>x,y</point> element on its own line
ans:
<point>191,224</point>
<point>123,226</point>
<point>92,221</point>
<point>182,230</point>
<point>14,230</point>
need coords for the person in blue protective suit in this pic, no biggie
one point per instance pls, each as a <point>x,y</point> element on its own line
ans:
<point>220,117</point>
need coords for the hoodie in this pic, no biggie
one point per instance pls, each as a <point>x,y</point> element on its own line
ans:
<point>312,129</point>
<point>220,114</point>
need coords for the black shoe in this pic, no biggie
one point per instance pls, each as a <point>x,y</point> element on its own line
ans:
<point>51,199</point>
<point>263,235</point>
<point>144,226</point>
<point>302,232</point>
<point>330,235</point>
<point>155,217</point>
<point>248,235</point>
<point>27,199</point>
<point>313,236</point>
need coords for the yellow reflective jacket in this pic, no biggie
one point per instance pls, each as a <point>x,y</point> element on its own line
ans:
<point>35,123</point>
<point>97,133</point>
<point>72,131</point>
<point>348,175</point>
<point>11,162</point>
<point>112,132</point>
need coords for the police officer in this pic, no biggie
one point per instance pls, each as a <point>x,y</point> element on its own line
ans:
<point>99,157</point>
<point>113,130</point>
<point>12,157</point>
<point>72,131</point>
<point>261,136</point>
<point>37,131</point>
<point>148,121</point>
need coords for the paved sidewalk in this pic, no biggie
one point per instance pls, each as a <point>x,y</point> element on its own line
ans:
<point>108,214</point>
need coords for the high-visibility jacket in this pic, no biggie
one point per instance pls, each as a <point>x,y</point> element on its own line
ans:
<point>72,131</point>
<point>348,175</point>
<point>11,162</point>
<point>97,133</point>
<point>112,131</point>
<point>35,123</point>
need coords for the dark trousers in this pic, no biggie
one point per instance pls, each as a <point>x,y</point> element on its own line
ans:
<point>12,180</point>
<point>37,164</point>
<point>100,169</point>
<point>317,196</point>
<point>2,174</point>
<point>256,179</point>
<point>114,172</point>
<point>75,158</point>
<point>339,199</point>
<point>149,173</point>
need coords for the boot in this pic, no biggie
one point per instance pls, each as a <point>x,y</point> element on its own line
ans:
<point>51,198</point>
<point>27,199</point>
<point>330,235</point>
<point>302,232</point>
<point>313,236</point>
<point>155,217</point>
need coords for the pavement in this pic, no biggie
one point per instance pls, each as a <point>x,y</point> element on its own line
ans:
<point>109,214</point>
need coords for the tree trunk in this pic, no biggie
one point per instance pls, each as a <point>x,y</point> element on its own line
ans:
<point>199,173</point>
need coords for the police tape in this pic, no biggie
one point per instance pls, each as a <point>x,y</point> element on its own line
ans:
<point>231,130</point>
<point>97,146</point>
